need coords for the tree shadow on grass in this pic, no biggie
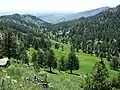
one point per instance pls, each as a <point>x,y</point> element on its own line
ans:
<point>51,72</point>
<point>76,74</point>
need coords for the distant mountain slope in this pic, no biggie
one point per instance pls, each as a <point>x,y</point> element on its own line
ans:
<point>85,13</point>
<point>52,18</point>
<point>56,18</point>
<point>29,21</point>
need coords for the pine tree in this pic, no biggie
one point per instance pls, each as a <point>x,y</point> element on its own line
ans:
<point>73,62</point>
<point>115,63</point>
<point>52,63</point>
<point>56,46</point>
<point>116,82</point>
<point>10,44</point>
<point>62,64</point>
<point>24,57</point>
<point>35,61</point>
<point>1,45</point>
<point>88,83</point>
<point>99,78</point>
<point>41,59</point>
<point>62,47</point>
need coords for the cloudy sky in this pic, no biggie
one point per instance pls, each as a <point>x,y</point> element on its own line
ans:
<point>54,5</point>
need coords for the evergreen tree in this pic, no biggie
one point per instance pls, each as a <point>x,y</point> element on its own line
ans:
<point>41,59</point>
<point>24,57</point>
<point>56,46</point>
<point>10,44</point>
<point>21,51</point>
<point>99,78</point>
<point>62,64</point>
<point>35,61</point>
<point>52,63</point>
<point>73,62</point>
<point>116,82</point>
<point>62,47</point>
<point>88,83</point>
<point>115,63</point>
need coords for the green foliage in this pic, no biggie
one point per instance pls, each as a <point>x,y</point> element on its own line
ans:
<point>24,57</point>
<point>15,78</point>
<point>72,63</point>
<point>62,64</point>
<point>56,46</point>
<point>116,82</point>
<point>9,44</point>
<point>115,63</point>
<point>41,58</point>
<point>62,47</point>
<point>96,35</point>
<point>88,83</point>
<point>86,61</point>
<point>27,39</point>
<point>52,63</point>
<point>99,78</point>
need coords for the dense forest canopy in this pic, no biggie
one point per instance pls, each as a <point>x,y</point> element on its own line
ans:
<point>23,29</point>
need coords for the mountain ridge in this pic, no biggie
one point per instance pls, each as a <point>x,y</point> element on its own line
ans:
<point>25,20</point>
<point>55,18</point>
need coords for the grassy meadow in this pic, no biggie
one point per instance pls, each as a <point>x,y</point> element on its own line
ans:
<point>62,80</point>
<point>86,60</point>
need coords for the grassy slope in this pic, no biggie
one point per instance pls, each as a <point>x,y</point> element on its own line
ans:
<point>15,78</point>
<point>65,81</point>
<point>86,61</point>
<point>60,80</point>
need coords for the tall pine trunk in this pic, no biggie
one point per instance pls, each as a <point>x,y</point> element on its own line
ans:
<point>50,69</point>
<point>70,71</point>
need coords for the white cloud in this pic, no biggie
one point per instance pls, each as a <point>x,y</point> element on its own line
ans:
<point>53,5</point>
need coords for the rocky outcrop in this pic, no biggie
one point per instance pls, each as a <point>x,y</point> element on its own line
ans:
<point>4,62</point>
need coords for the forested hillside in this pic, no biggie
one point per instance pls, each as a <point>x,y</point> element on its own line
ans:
<point>22,32</point>
<point>97,35</point>
<point>80,54</point>
<point>22,39</point>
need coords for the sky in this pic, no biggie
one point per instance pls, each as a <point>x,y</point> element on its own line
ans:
<point>57,6</point>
